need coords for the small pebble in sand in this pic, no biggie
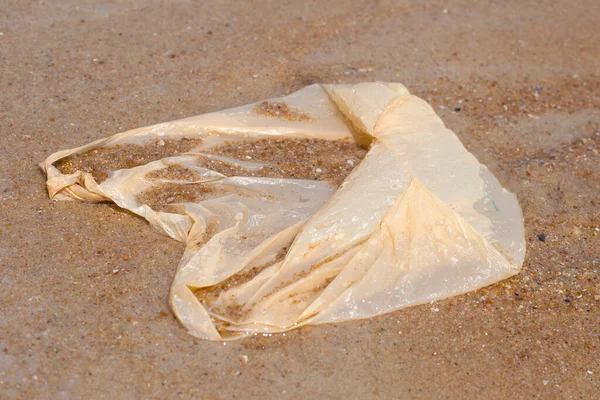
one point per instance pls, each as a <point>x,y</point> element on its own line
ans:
<point>541,237</point>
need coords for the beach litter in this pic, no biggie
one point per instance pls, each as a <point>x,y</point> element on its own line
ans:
<point>335,203</point>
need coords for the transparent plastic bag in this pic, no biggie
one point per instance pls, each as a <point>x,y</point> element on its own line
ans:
<point>418,219</point>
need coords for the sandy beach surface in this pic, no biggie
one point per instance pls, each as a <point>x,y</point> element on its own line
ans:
<point>83,288</point>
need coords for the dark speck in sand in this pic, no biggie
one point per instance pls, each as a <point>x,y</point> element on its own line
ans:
<point>541,237</point>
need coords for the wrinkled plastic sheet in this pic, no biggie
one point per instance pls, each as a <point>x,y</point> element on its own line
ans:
<point>418,220</point>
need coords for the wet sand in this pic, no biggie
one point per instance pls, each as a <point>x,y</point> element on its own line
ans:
<point>83,288</point>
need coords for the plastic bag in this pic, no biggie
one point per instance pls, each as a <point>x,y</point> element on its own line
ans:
<point>418,219</point>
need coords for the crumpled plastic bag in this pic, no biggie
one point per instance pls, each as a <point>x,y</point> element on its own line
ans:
<point>419,219</point>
